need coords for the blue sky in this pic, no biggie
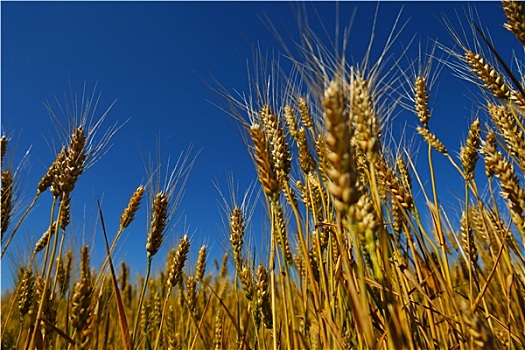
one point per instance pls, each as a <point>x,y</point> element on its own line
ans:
<point>161,62</point>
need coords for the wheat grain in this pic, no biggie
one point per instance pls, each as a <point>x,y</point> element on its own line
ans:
<point>3,147</point>
<point>201,264</point>
<point>493,81</point>
<point>264,163</point>
<point>291,121</point>
<point>342,173</point>
<point>306,160</point>
<point>7,199</point>
<point>237,236</point>
<point>512,134</point>
<point>366,134</point>
<point>262,299</point>
<point>421,100</point>
<point>178,261</point>
<point>432,140</point>
<point>515,12</point>
<point>304,111</point>
<point>158,223</point>
<point>469,153</point>
<point>129,213</point>
<point>26,291</point>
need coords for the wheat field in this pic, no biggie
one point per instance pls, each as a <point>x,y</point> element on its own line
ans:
<point>355,260</point>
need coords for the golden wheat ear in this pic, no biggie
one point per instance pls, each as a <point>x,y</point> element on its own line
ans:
<point>515,12</point>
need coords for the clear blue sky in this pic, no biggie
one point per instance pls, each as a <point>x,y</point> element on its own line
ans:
<point>161,60</point>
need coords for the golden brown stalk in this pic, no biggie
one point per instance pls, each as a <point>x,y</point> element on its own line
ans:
<point>291,121</point>
<point>158,223</point>
<point>469,153</point>
<point>305,113</point>
<point>366,132</point>
<point>306,160</point>
<point>129,213</point>
<point>7,199</point>
<point>340,155</point>
<point>515,12</point>
<point>421,100</point>
<point>432,140</point>
<point>493,81</point>
<point>177,264</point>
<point>201,264</point>
<point>264,163</point>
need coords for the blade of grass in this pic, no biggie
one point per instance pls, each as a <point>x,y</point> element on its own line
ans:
<point>120,307</point>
